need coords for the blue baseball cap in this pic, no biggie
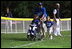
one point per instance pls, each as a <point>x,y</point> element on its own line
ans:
<point>40,3</point>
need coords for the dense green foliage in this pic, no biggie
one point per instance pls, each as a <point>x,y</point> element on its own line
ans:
<point>25,8</point>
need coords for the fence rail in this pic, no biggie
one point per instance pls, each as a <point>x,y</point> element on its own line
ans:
<point>11,25</point>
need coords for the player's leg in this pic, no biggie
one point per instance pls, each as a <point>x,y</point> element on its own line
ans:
<point>41,29</point>
<point>50,33</point>
<point>28,35</point>
<point>54,31</point>
<point>58,32</point>
<point>44,26</point>
<point>45,29</point>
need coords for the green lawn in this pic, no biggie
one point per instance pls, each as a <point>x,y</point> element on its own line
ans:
<point>20,41</point>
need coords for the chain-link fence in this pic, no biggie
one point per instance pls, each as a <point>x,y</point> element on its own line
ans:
<point>12,26</point>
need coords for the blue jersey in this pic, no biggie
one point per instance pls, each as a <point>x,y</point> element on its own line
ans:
<point>36,22</point>
<point>49,23</point>
<point>41,11</point>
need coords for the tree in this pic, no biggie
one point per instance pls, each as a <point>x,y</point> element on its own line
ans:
<point>26,8</point>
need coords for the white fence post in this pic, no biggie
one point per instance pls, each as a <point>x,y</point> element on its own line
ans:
<point>23,27</point>
<point>64,26</point>
<point>67,25</point>
<point>16,26</point>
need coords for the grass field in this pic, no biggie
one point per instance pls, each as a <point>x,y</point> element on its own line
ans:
<point>20,41</point>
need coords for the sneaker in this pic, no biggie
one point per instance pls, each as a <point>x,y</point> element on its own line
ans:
<point>51,37</point>
<point>60,35</point>
<point>55,34</point>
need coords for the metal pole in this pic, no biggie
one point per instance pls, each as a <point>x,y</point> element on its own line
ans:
<point>67,25</point>
<point>23,27</point>
<point>16,26</point>
<point>11,25</point>
<point>7,25</point>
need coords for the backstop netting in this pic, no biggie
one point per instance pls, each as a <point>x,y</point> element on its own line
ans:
<point>21,25</point>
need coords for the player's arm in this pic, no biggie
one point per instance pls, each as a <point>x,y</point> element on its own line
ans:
<point>54,13</point>
<point>59,19</point>
<point>55,19</point>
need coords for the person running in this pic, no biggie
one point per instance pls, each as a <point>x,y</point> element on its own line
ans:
<point>43,15</point>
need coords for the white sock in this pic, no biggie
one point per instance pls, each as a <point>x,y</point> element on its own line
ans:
<point>51,37</point>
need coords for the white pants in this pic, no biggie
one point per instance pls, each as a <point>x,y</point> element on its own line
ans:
<point>43,26</point>
<point>50,30</point>
<point>57,31</point>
